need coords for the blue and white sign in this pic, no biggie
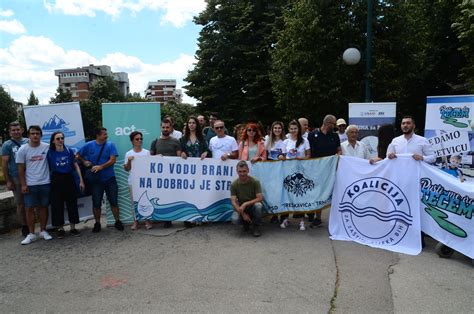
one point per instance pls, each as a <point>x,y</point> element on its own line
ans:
<point>377,205</point>
<point>369,117</point>
<point>63,117</point>
<point>296,185</point>
<point>176,189</point>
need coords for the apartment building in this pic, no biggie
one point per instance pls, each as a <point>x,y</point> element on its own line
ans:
<point>163,91</point>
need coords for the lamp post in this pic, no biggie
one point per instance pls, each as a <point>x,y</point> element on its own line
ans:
<point>351,56</point>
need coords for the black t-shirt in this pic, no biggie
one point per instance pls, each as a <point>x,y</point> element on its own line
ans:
<point>323,144</point>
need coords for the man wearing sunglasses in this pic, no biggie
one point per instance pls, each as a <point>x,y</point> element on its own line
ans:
<point>223,146</point>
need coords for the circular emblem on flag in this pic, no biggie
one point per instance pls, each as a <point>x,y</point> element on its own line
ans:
<point>376,211</point>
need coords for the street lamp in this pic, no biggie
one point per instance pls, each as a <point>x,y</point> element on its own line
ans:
<point>352,55</point>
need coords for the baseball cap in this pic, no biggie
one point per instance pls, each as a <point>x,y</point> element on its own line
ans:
<point>340,121</point>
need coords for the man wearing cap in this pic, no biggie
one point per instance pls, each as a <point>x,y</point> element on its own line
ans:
<point>324,142</point>
<point>341,129</point>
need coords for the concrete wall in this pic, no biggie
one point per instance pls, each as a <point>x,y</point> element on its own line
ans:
<point>7,212</point>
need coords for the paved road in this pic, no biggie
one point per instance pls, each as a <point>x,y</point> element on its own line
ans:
<point>219,269</point>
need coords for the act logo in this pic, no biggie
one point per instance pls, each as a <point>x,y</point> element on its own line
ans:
<point>127,130</point>
<point>376,211</point>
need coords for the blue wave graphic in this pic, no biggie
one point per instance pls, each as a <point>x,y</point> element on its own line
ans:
<point>374,212</point>
<point>184,211</point>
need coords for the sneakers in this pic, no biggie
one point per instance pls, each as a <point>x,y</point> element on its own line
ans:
<point>97,227</point>
<point>168,224</point>
<point>24,230</point>
<point>302,227</point>
<point>256,231</point>
<point>118,225</point>
<point>316,222</point>
<point>284,223</point>
<point>61,234</point>
<point>75,232</point>
<point>45,235</point>
<point>29,238</point>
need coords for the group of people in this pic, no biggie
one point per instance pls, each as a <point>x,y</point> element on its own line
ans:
<point>40,174</point>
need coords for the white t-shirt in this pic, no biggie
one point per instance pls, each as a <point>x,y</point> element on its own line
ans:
<point>342,137</point>
<point>276,150</point>
<point>143,152</point>
<point>291,152</point>
<point>222,145</point>
<point>36,163</point>
<point>177,134</point>
<point>359,150</point>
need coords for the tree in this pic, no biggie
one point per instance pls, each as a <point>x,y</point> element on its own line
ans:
<point>32,100</point>
<point>232,72</point>
<point>61,96</point>
<point>179,112</point>
<point>463,26</point>
<point>8,112</point>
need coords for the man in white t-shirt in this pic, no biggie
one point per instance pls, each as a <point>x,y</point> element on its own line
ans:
<point>223,146</point>
<point>352,147</point>
<point>33,171</point>
<point>341,129</point>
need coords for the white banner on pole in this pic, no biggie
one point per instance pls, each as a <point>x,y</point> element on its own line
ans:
<point>377,205</point>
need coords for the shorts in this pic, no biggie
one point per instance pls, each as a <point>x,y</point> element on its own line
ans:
<point>37,196</point>
<point>110,188</point>
<point>17,191</point>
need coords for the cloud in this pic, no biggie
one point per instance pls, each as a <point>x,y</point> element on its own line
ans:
<point>176,12</point>
<point>6,13</point>
<point>12,27</point>
<point>29,63</point>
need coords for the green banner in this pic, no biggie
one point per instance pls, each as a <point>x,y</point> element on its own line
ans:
<point>121,119</point>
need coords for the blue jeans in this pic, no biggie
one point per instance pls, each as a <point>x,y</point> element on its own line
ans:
<point>255,213</point>
<point>110,188</point>
<point>38,195</point>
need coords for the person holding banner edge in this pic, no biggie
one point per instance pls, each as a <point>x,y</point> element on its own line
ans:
<point>223,146</point>
<point>137,140</point>
<point>252,146</point>
<point>246,197</point>
<point>99,156</point>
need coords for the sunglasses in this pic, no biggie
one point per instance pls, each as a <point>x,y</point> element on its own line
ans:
<point>251,130</point>
<point>138,139</point>
<point>59,138</point>
<point>218,127</point>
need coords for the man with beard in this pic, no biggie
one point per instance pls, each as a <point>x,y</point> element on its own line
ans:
<point>166,145</point>
<point>410,143</point>
<point>324,142</point>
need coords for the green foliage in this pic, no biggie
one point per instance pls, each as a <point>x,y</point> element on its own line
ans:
<point>91,112</point>
<point>135,97</point>
<point>32,100</point>
<point>7,112</point>
<point>105,90</point>
<point>464,27</point>
<point>232,72</point>
<point>61,96</point>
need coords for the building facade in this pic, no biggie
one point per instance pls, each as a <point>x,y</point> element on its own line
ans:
<point>78,80</point>
<point>163,91</point>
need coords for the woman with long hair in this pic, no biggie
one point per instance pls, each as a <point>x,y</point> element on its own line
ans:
<point>385,135</point>
<point>62,164</point>
<point>192,142</point>
<point>252,147</point>
<point>274,141</point>
<point>295,147</point>
<point>137,150</point>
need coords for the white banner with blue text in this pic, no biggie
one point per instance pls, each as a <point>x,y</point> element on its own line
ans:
<point>176,189</point>
<point>296,185</point>
<point>446,209</point>
<point>377,205</point>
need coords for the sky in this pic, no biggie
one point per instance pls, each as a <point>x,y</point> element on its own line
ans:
<point>148,39</point>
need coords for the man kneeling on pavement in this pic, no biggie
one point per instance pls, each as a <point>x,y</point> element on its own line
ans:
<point>247,198</point>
